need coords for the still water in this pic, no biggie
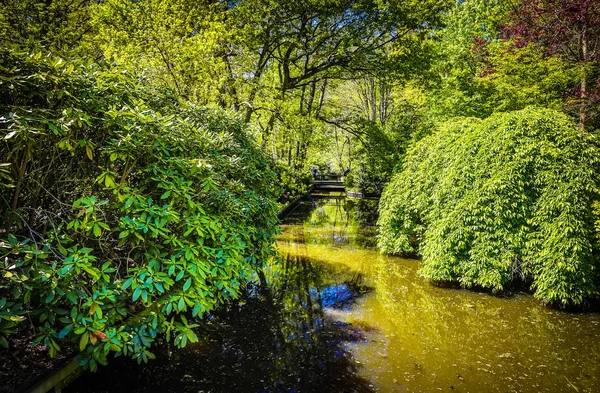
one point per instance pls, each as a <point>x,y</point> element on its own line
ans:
<point>340,317</point>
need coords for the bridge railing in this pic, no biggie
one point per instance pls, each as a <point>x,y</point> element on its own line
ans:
<point>329,177</point>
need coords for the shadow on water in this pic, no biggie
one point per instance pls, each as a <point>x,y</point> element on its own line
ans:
<point>279,340</point>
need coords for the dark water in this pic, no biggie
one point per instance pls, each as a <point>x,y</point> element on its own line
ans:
<point>339,317</point>
<point>275,340</point>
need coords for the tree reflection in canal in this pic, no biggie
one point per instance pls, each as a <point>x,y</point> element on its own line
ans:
<point>340,317</point>
<point>423,338</point>
<point>274,340</point>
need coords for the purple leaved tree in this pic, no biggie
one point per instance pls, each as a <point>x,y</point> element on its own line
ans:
<point>570,29</point>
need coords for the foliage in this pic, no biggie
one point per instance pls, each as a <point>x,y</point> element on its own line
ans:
<point>294,184</point>
<point>453,80</point>
<point>125,211</point>
<point>571,30</point>
<point>274,62</point>
<point>478,73</point>
<point>520,77</point>
<point>487,202</point>
<point>59,25</point>
<point>178,43</point>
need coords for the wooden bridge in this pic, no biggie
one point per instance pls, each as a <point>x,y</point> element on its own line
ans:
<point>324,188</point>
<point>327,186</point>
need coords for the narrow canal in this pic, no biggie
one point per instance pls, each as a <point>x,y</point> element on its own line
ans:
<point>340,317</point>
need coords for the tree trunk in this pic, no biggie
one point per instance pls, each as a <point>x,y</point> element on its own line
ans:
<point>230,85</point>
<point>373,99</point>
<point>255,80</point>
<point>302,93</point>
<point>267,132</point>
<point>383,102</point>
<point>321,99</point>
<point>20,180</point>
<point>583,93</point>
<point>311,96</point>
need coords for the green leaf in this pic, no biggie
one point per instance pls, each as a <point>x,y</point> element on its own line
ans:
<point>191,335</point>
<point>50,297</point>
<point>196,310</point>
<point>166,194</point>
<point>65,331</point>
<point>83,341</point>
<point>91,271</point>
<point>187,284</point>
<point>137,293</point>
<point>88,151</point>
<point>109,181</point>
<point>71,296</point>
<point>127,283</point>
<point>61,249</point>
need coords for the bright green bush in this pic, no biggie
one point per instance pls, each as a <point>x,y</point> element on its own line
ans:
<point>123,211</point>
<point>486,202</point>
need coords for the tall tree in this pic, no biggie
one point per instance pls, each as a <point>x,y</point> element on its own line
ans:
<point>301,47</point>
<point>58,25</point>
<point>176,43</point>
<point>568,28</point>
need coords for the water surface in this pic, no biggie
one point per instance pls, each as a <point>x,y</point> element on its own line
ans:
<point>422,338</point>
<point>340,317</point>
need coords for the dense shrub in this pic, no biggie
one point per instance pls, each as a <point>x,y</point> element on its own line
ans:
<point>122,210</point>
<point>510,197</point>
<point>293,182</point>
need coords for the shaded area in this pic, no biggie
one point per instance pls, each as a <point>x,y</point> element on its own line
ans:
<point>34,362</point>
<point>279,340</point>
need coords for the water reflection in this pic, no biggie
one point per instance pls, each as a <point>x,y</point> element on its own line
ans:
<point>422,338</point>
<point>334,221</point>
<point>339,317</point>
<point>279,340</point>
<point>430,338</point>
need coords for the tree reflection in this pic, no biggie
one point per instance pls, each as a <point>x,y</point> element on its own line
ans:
<point>334,221</point>
<point>278,340</point>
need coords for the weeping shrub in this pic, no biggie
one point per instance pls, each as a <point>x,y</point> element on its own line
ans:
<point>122,211</point>
<point>486,202</point>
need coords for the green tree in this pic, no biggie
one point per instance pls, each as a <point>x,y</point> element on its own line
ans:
<point>477,71</point>
<point>488,202</point>
<point>569,29</point>
<point>58,25</point>
<point>274,62</point>
<point>123,211</point>
<point>175,43</point>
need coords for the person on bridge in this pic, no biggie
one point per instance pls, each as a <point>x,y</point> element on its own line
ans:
<point>314,173</point>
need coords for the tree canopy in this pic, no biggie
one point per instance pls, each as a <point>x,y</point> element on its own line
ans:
<point>488,202</point>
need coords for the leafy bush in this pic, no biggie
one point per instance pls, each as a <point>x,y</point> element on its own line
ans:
<point>293,182</point>
<point>123,210</point>
<point>369,178</point>
<point>349,181</point>
<point>487,202</point>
